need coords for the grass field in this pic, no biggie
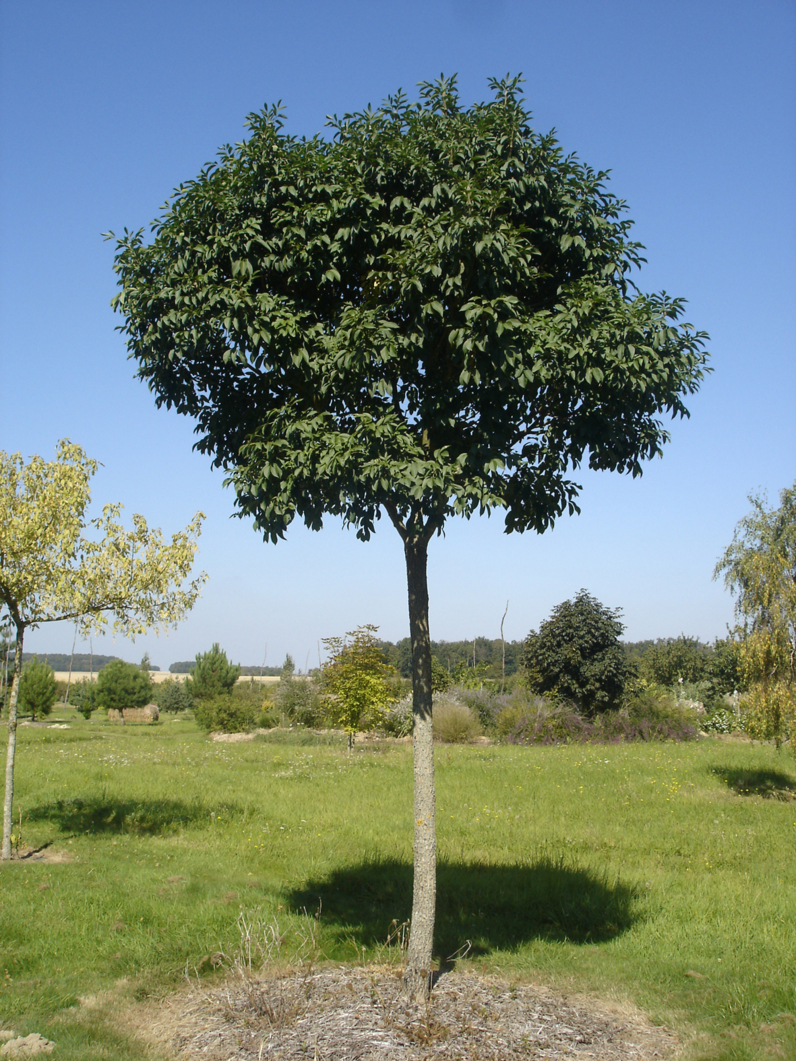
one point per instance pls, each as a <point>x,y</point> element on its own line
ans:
<point>660,874</point>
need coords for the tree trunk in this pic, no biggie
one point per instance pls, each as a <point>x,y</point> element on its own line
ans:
<point>8,802</point>
<point>417,978</point>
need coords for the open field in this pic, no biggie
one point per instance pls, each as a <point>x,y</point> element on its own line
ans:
<point>660,875</point>
<point>158,676</point>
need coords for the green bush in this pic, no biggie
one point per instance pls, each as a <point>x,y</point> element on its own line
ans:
<point>121,685</point>
<point>651,713</point>
<point>83,696</point>
<point>172,696</point>
<point>225,714</point>
<point>723,720</point>
<point>521,708</point>
<point>298,701</point>
<point>37,689</point>
<point>263,709</point>
<point>454,722</point>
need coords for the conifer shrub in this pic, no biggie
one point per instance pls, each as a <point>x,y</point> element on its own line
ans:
<point>212,675</point>
<point>172,696</point>
<point>83,696</point>
<point>121,685</point>
<point>37,689</point>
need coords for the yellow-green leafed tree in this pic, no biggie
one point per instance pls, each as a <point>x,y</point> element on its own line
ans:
<point>759,567</point>
<point>56,563</point>
<point>355,680</point>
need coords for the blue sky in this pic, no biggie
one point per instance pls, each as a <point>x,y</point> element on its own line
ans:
<point>107,106</point>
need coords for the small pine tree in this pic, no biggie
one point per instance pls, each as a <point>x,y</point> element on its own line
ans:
<point>37,688</point>
<point>121,685</point>
<point>83,696</point>
<point>213,675</point>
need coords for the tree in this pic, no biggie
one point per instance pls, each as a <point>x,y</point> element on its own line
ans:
<point>673,659</point>
<point>428,314</point>
<point>37,688</point>
<point>355,679</point>
<point>121,685</point>
<point>50,570</point>
<point>577,654</point>
<point>213,675</point>
<point>759,568</point>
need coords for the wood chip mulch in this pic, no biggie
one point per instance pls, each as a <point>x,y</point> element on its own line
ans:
<point>359,1014</point>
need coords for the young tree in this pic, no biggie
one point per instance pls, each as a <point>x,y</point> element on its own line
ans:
<point>51,570</point>
<point>355,679</point>
<point>213,675</point>
<point>121,685</point>
<point>578,655</point>
<point>759,567</point>
<point>428,314</point>
<point>37,688</point>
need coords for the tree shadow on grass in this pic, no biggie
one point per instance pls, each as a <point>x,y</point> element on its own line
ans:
<point>492,907</point>
<point>770,784</point>
<point>147,817</point>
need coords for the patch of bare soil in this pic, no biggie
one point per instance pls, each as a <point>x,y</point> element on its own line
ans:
<point>353,1014</point>
<point>46,853</point>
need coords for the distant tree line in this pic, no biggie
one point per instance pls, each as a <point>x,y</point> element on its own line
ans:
<point>186,666</point>
<point>483,654</point>
<point>82,662</point>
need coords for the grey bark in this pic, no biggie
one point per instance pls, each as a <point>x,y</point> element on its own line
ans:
<point>417,977</point>
<point>8,801</point>
<point>503,644</point>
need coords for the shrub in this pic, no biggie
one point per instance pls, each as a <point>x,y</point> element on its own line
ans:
<point>651,714</point>
<point>440,678</point>
<point>723,720</point>
<point>83,697</point>
<point>298,702</point>
<point>486,702</point>
<point>263,710</point>
<point>545,722</point>
<point>225,714</point>
<point>37,689</point>
<point>172,696</point>
<point>121,685</point>
<point>397,721</point>
<point>454,722</point>
<point>212,675</point>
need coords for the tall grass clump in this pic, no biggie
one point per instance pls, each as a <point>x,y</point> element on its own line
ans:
<point>453,721</point>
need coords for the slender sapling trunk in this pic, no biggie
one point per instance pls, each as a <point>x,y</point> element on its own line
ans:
<point>417,978</point>
<point>8,801</point>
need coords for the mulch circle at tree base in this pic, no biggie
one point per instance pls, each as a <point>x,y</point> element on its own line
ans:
<point>360,1013</point>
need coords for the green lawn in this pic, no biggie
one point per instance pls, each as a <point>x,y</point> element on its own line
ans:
<point>662,874</point>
